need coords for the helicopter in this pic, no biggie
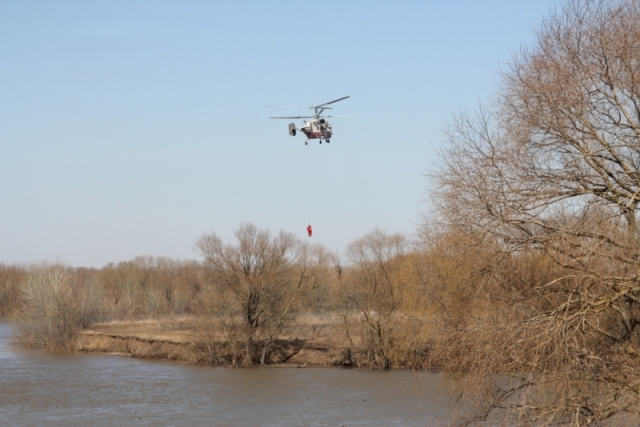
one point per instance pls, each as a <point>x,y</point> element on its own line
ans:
<point>318,127</point>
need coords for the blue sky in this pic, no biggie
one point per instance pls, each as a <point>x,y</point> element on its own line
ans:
<point>134,127</point>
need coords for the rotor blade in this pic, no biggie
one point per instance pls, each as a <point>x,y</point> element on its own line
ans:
<point>331,117</point>
<point>296,117</point>
<point>331,102</point>
<point>284,106</point>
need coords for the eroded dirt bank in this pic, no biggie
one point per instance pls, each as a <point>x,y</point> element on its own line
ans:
<point>185,341</point>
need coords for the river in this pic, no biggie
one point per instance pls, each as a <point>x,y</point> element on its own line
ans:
<point>40,388</point>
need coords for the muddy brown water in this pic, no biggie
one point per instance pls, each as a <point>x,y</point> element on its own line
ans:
<point>39,388</point>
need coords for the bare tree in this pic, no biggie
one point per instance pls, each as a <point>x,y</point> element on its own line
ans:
<point>260,280</point>
<point>164,277</point>
<point>55,303</point>
<point>110,281</point>
<point>122,288</point>
<point>10,279</point>
<point>373,288</point>
<point>190,282</point>
<point>552,170</point>
<point>150,290</point>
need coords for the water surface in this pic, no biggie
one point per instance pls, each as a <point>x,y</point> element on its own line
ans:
<point>39,388</point>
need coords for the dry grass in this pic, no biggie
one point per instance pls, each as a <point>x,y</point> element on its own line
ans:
<point>312,340</point>
<point>179,330</point>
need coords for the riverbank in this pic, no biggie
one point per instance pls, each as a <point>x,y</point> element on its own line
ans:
<point>320,343</point>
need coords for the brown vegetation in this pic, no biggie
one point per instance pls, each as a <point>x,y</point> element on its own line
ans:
<point>312,341</point>
<point>545,186</point>
<point>10,279</point>
<point>264,300</point>
<point>378,292</point>
<point>54,305</point>
<point>257,286</point>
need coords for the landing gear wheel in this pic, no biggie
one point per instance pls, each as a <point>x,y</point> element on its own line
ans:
<point>327,141</point>
<point>320,141</point>
<point>306,143</point>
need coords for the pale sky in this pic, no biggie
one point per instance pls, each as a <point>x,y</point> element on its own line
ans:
<point>134,127</point>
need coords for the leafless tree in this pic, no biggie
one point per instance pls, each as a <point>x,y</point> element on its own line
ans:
<point>260,280</point>
<point>10,278</point>
<point>552,170</point>
<point>373,289</point>
<point>150,290</point>
<point>55,303</point>
<point>110,280</point>
<point>190,283</point>
<point>164,278</point>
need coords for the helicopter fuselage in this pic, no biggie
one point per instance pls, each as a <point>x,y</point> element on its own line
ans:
<point>317,129</point>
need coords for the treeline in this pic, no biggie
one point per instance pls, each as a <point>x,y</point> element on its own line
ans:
<point>397,302</point>
<point>241,297</point>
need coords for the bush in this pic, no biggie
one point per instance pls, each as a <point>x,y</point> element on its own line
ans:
<point>54,305</point>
